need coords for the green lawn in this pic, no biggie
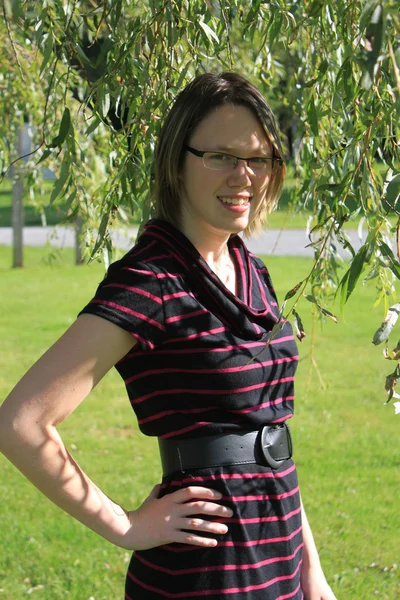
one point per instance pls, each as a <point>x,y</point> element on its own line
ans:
<point>51,215</point>
<point>346,446</point>
<point>283,218</point>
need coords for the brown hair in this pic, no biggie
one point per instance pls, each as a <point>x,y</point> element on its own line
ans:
<point>204,93</point>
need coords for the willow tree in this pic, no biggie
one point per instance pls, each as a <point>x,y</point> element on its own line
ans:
<point>95,78</point>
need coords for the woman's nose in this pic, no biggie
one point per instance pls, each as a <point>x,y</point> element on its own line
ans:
<point>241,171</point>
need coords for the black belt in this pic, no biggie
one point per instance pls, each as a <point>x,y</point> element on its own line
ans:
<point>271,446</point>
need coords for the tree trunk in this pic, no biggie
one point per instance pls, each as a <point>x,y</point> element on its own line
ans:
<point>17,204</point>
<point>79,260</point>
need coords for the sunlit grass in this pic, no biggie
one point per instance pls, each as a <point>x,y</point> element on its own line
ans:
<point>346,445</point>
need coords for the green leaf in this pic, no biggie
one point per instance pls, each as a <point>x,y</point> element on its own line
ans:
<point>311,298</point>
<point>48,49</point>
<point>366,12</point>
<point>182,75</point>
<point>101,233</point>
<point>377,26</point>
<point>390,383</point>
<point>366,80</point>
<point>82,56</point>
<point>345,243</point>
<point>117,13</point>
<point>336,187</point>
<point>375,32</point>
<point>313,116</point>
<point>275,29</point>
<point>107,251</point>
<point>328,313</point>
<point>93,125</point>
<point>348,81</point>
<point>331,187</point>
<point>324,311</point>
<point>293,291</point>
<point>310,83</point>
<point>394,265</point>
<point>65,126</point>
<point>299,327</point>
<point>320,225</point>
<point>61,182</point>
<point>323,67</point>
<point>211,35</point>
<point>104,101</point>
<point>105,47</point>
<point>45,155</point>
<point>397,57</point>
<point>315,8</point>
<point>350,278</point>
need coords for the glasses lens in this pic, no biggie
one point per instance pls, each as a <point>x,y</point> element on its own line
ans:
<point>218,161</point>
<point>260,164</point>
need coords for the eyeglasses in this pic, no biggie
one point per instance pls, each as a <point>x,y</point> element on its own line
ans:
<point>220,161</point>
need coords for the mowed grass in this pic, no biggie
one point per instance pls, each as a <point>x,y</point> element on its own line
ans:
<point>53,214</point>
<point>346,445</point>
<point>285,217</point>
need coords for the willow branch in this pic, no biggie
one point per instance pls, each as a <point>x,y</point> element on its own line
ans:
<point>12,43</point>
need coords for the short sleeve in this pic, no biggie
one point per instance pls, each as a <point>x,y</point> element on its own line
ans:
<point>130,296</point>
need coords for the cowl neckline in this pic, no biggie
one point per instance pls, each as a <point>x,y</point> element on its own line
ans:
<point>250,314</point>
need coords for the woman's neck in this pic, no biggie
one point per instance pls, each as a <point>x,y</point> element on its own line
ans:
<point>213,247</point>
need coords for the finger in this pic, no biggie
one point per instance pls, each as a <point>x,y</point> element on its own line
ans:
<point>205,508</point>
<point>195,540</point>
<point>197,524</point>
<point>194,491</point>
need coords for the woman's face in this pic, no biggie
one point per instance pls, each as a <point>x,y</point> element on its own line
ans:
<point>222,202</point>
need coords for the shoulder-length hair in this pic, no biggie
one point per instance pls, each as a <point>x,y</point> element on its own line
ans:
<point>191,106</point>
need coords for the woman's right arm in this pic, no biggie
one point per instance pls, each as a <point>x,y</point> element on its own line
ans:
<point>45,396</point>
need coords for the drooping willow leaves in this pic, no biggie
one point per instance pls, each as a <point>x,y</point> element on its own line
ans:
<point>94,79</point>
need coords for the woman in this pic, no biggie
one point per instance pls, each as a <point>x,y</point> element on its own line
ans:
<point>186,317</point>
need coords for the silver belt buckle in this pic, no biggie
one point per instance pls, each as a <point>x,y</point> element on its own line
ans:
<point>275,435</point>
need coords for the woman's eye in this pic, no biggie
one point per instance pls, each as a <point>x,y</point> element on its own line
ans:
<point>259,161</point>
<point>220,157</point>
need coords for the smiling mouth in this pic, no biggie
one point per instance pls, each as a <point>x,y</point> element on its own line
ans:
<point>235,201</point>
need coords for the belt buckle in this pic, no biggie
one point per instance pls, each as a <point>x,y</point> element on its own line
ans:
<point>266,441</point>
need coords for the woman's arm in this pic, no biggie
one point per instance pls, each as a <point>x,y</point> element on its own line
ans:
<point>313,582</point>
<point>44,397</point>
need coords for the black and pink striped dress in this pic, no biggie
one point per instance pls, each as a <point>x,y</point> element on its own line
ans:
<point>202,366</point>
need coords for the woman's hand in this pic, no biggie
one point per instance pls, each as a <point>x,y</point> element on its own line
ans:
<point>314,585</point>
<point>161,521</point>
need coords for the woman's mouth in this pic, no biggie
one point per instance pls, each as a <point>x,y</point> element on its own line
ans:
<point>235,203</point>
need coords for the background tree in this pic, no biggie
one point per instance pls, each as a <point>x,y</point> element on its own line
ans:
<point>95,79</point>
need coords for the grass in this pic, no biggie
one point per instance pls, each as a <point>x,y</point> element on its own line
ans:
<point>55,214</point>
<point>345,442</point>
<point>282,218</point>
<point>32,216</point>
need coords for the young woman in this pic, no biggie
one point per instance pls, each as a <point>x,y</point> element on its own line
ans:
<point>186,318</point>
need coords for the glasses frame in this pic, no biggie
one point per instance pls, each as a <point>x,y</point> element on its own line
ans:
<point>201,153</point>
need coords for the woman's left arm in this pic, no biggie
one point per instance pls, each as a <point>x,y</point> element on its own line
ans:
<point>313,582</point>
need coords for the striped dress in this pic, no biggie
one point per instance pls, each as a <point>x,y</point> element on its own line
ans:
<point>201,366</point>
